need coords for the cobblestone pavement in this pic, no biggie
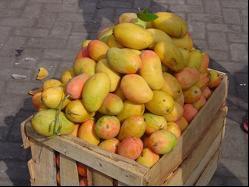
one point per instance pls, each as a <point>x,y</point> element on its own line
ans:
<point>48,33</point>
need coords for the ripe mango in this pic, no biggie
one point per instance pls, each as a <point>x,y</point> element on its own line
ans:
<point>188,77</point>
<point>136,89</point>
<point>175,114</point>
<point>203,81</point>
<point>189,112</point>
<point>205,63</point>
<point>51,83</point>
<point>148,158</point>
<point>174,129</point>
<point>206,92</point>
<point>151,69</point>
<point>161,103</point>
<point>171,86</point>
<point>215,79</point>
<point>85,43</point>
<point>75,86</point>
<point>130,109</point>
<point>170,23</point>
<point>186,55</point>
<point>195,59</point>
<point>182,123</point>
<point>53,97</point>
<point>112,105</point>
<point>192,95</point>
<point>110,145</point>
<point>124,61</point>
<point>158,36</point>
<point>132,36</point>
<point>133,126</point>
<point>103,67</point>
<point>84,65</point>
<point>112,42</point>
<point>200,103</point>
<point>107,127</point>
<point>127,17</point>
<point>86,132</point>
<point>67,76</point>
<point>44,123</point>
<point>185,42</point>
<point>154,123</point>
<point>76,112</point>
<point>95,90</point>
<point>170,55</point>
<point>37,101</point>
<point>105,34</point>
<point>180,100</point>
<point>162,142</point>
<point>120,93</point>
<point>97,49</point>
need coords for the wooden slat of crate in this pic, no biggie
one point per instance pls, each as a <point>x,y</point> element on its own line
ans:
<point>209,171</point>
<point>68,172</point>
<point>206,148</point>
<point>99,179</point>
<point>42,165</point>
<point>169,162</point>
<point>120,168</point>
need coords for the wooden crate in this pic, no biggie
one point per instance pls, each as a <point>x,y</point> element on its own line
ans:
<point>192,162</point>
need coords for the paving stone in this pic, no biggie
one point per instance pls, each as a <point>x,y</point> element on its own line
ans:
<point>60,54</point>
<point>205,17</point>
<point>12,151</point>
<point>186,8</point>
<point>5,13</point>
<point>238,38</point>
<point>61,30</point>
<point>232,16</point>
<point>197,30</point>
<point>31,32</point>
<point>17,22</point>
<point>73,17</point>
<point>218,55</point>
<point>235,4</point>
<point>17,3</point>
<point>20,87</point>
<point>239,52</point>
<point>212,7</point>
<point>46,43</point>
<point>50,65</point>
<point>74,41</point>
<point>142,4</point>
<point>194,2</point>
<point>32,10</point>
<point>46,20</point>
<point>217,40</point>
<point>115,4</point>
<point>223,28</point>
<point>170,2</point>
<point>201,44</point>
<point>12,44</point>
<point>234,67</point>
<point>105,13</point>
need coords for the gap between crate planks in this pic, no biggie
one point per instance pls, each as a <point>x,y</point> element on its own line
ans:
<point>192,162</point>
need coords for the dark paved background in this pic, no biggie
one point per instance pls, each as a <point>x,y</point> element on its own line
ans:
<point>48,33</point>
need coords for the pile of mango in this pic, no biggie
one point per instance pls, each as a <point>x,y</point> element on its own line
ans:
<point>132,91</point>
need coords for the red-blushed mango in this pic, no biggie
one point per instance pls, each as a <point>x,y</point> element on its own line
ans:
<point>75,86</point>
<point>112,105</point>
<point>133,126</point>
<point>192,95</point>
<point>171,86</point>
<point>86,132</point>
<point>119,93</point>
<point>206,92</point>
<point>107,127</point>
<point>37,101</point>
<point>84,65</point>
<point>148,158</point>
<point>161,103</point>
<point>85,43</point>
<point>124,61</point>
<point>195,59</point>
<point>188,77</point>
<point>51,83</point>
<point>170,23</point>
<point>76,112</point>
<point>174,129</point>
<point>203,81</point>
<point>170,55</point>
<point>205,63</point>
<point>112,42</point>
<point>82,170</point>
<point>110,145</point>
<point>130,109</point>
<point>180,100</point>
<point>151,69</point>
<point>82,53</point>
<point>132,36</point>
<point>189,112</point>
<point>97,49</point>
<point>103,67</point>
<point>185,42</point>
<point>200,103</point>
<point>95,90</point>
<point>162,142</point>
<point>66,76</point>
<point>105,34</point>
<point>215,79</point>
<point>136,89</point>
<point>158,36</point>
<point>130,148</point>
<point>154,123</point>
<point>182,123</point>
<point>44,123</point>
<point>175,114</point>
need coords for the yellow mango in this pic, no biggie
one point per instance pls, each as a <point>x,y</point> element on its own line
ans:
<point>154,123</point>
<point>120,93</point>
<point>95,90</point>
<point>151,70</point>
<point>170,23</point>
<point>132,36</point>
<point>186,56</point>
<point>175,114</point>
<point>161,103</point>
<point>136,89</point>
<point>124,61</point>
<point>103,67</point>
<point>170,55</point>
<point>67,76</point>
<point>171,86</point>
<point>130,109</point>
<point>105,34</point>
<point>185,42</point>
<point>158,36</point>
<point>112,42</point>
<point>84,65</point>
<point>195,59</point>
<point>51,83</point>
<point>112,105</point>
